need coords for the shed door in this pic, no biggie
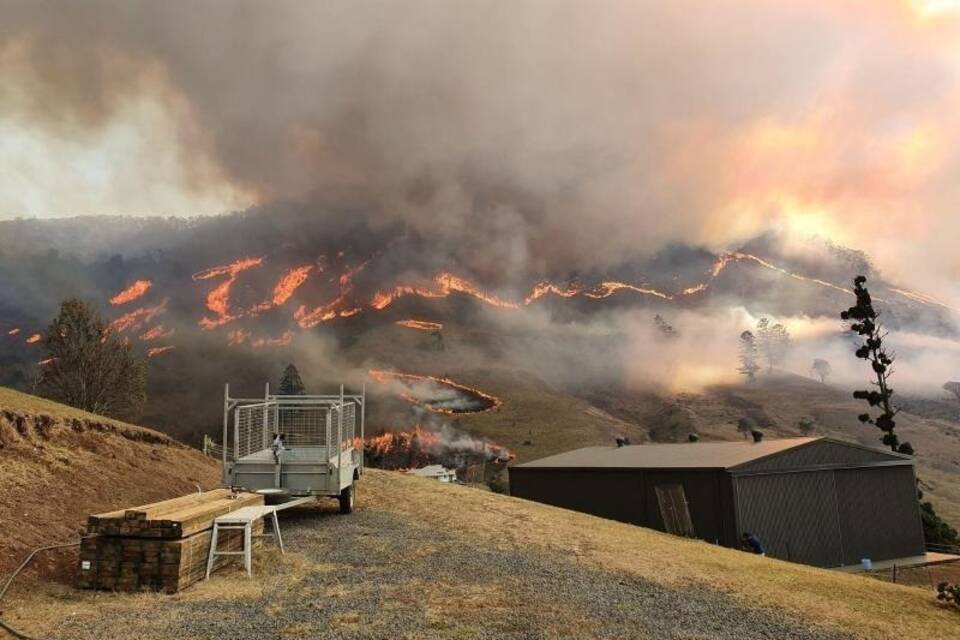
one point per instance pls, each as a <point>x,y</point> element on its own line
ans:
<point>793,514</point>
<point>674,510</point>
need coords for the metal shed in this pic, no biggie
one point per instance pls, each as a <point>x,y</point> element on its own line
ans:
<point>817,501</point>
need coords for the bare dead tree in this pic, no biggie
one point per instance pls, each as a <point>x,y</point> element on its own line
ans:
<point>90,367</point>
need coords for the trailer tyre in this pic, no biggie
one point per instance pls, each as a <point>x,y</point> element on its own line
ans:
<point>346,500</point>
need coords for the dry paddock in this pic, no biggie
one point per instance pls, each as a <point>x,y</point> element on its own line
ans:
<point>424,560</point>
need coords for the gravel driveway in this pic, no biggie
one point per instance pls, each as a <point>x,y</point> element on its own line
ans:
<point>374,574</point>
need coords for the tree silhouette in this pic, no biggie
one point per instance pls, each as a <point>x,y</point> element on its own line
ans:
<point>748,356</point>
<point>90,367</point>
<point>822,369</point>
<point>864,321</point>
<point>773,342</point>
<point>290,382</point>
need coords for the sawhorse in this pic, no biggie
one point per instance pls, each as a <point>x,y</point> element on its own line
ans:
<point>243,519</point>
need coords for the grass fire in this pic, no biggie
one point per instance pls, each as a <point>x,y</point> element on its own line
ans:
<point>437,394</point>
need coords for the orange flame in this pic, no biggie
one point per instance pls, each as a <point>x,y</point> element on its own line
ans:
<point>383,376</point>
<point>237,336</point>
<point>155,351</point>
<point>421,325</point>
<point>446,283</point>
<point>34,339</point>
<point>137,318</point>
<point>156,333</point>
<point>46,361</point>
<point>136,290</point>
<point>289,283</point>
<point>218,300</point>
<point>280,341</point>
<point>13,332</point>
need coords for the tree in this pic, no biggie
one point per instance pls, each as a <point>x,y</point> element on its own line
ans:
<point>822,369</point>
<point>290,383</point>
<point>90,367</point>
<point>664,327</point>
<point>746,425</point>
<point>748,356</point>
<point>773,342</point>
<point>864,320</point>
<point>954,388</point>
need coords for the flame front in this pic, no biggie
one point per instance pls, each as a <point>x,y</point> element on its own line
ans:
<point>156,333</point>
<point>153,352</point>
<point>13,332</point>
<point>384,376</point>
<point>289,283</point>
<point>218,300</point>
<point>421,325</point>
<point>137,318</point>
<point>134,292</point>
<point>34,339</point>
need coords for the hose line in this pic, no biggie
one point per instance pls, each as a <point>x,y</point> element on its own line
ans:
<point>23,565</point>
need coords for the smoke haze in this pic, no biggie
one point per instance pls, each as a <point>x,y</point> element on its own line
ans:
<point>542,133</point>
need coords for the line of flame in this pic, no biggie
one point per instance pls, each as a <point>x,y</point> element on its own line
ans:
<point>134,292</point>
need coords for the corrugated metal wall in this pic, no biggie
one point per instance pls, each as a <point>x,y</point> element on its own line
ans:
<point>879,516</point>
<point>833,517</point>
<point>793,514</point>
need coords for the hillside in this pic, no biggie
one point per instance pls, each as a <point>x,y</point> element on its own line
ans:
<point>58,465</point>
<point>419,559</point>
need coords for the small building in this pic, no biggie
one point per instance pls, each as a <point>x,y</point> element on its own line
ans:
<point>817,501</point>
<point>435,471</point>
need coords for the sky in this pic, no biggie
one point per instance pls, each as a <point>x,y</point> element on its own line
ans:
<point>589,131</point>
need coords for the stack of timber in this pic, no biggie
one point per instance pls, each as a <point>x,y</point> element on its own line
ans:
<point>160,546</point>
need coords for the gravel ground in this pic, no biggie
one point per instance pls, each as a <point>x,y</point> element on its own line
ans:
<point>376,575</point>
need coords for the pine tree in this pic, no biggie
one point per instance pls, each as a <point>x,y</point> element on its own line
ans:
<point>90,367</point>
<point>290,383</point>
<point>748,356</point>
<point>864,321</point>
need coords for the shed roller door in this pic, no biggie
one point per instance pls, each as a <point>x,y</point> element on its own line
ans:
<point>793,514</point>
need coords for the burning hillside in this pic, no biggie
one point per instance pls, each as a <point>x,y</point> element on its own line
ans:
<point>440,395</point>
<point>420,446</point>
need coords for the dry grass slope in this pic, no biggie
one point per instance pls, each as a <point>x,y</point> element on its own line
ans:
<point>414,527</point>
<point>58,465</point>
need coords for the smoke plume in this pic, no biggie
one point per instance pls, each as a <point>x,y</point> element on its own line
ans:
<point>528,135</point>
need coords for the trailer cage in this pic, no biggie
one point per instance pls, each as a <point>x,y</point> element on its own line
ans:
<point>294,446</point>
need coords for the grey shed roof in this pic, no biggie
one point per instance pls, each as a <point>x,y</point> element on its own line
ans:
<point>697,455</point>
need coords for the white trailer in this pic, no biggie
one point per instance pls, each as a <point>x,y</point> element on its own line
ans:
<point>294,446</point>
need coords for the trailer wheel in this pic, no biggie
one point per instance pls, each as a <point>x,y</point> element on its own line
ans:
<point>346,500</point>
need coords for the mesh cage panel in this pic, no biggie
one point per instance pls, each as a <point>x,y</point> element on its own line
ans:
<point>255,425</point>
<point>303,425</point>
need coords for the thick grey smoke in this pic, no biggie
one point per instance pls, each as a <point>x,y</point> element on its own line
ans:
<point>534,133</point>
